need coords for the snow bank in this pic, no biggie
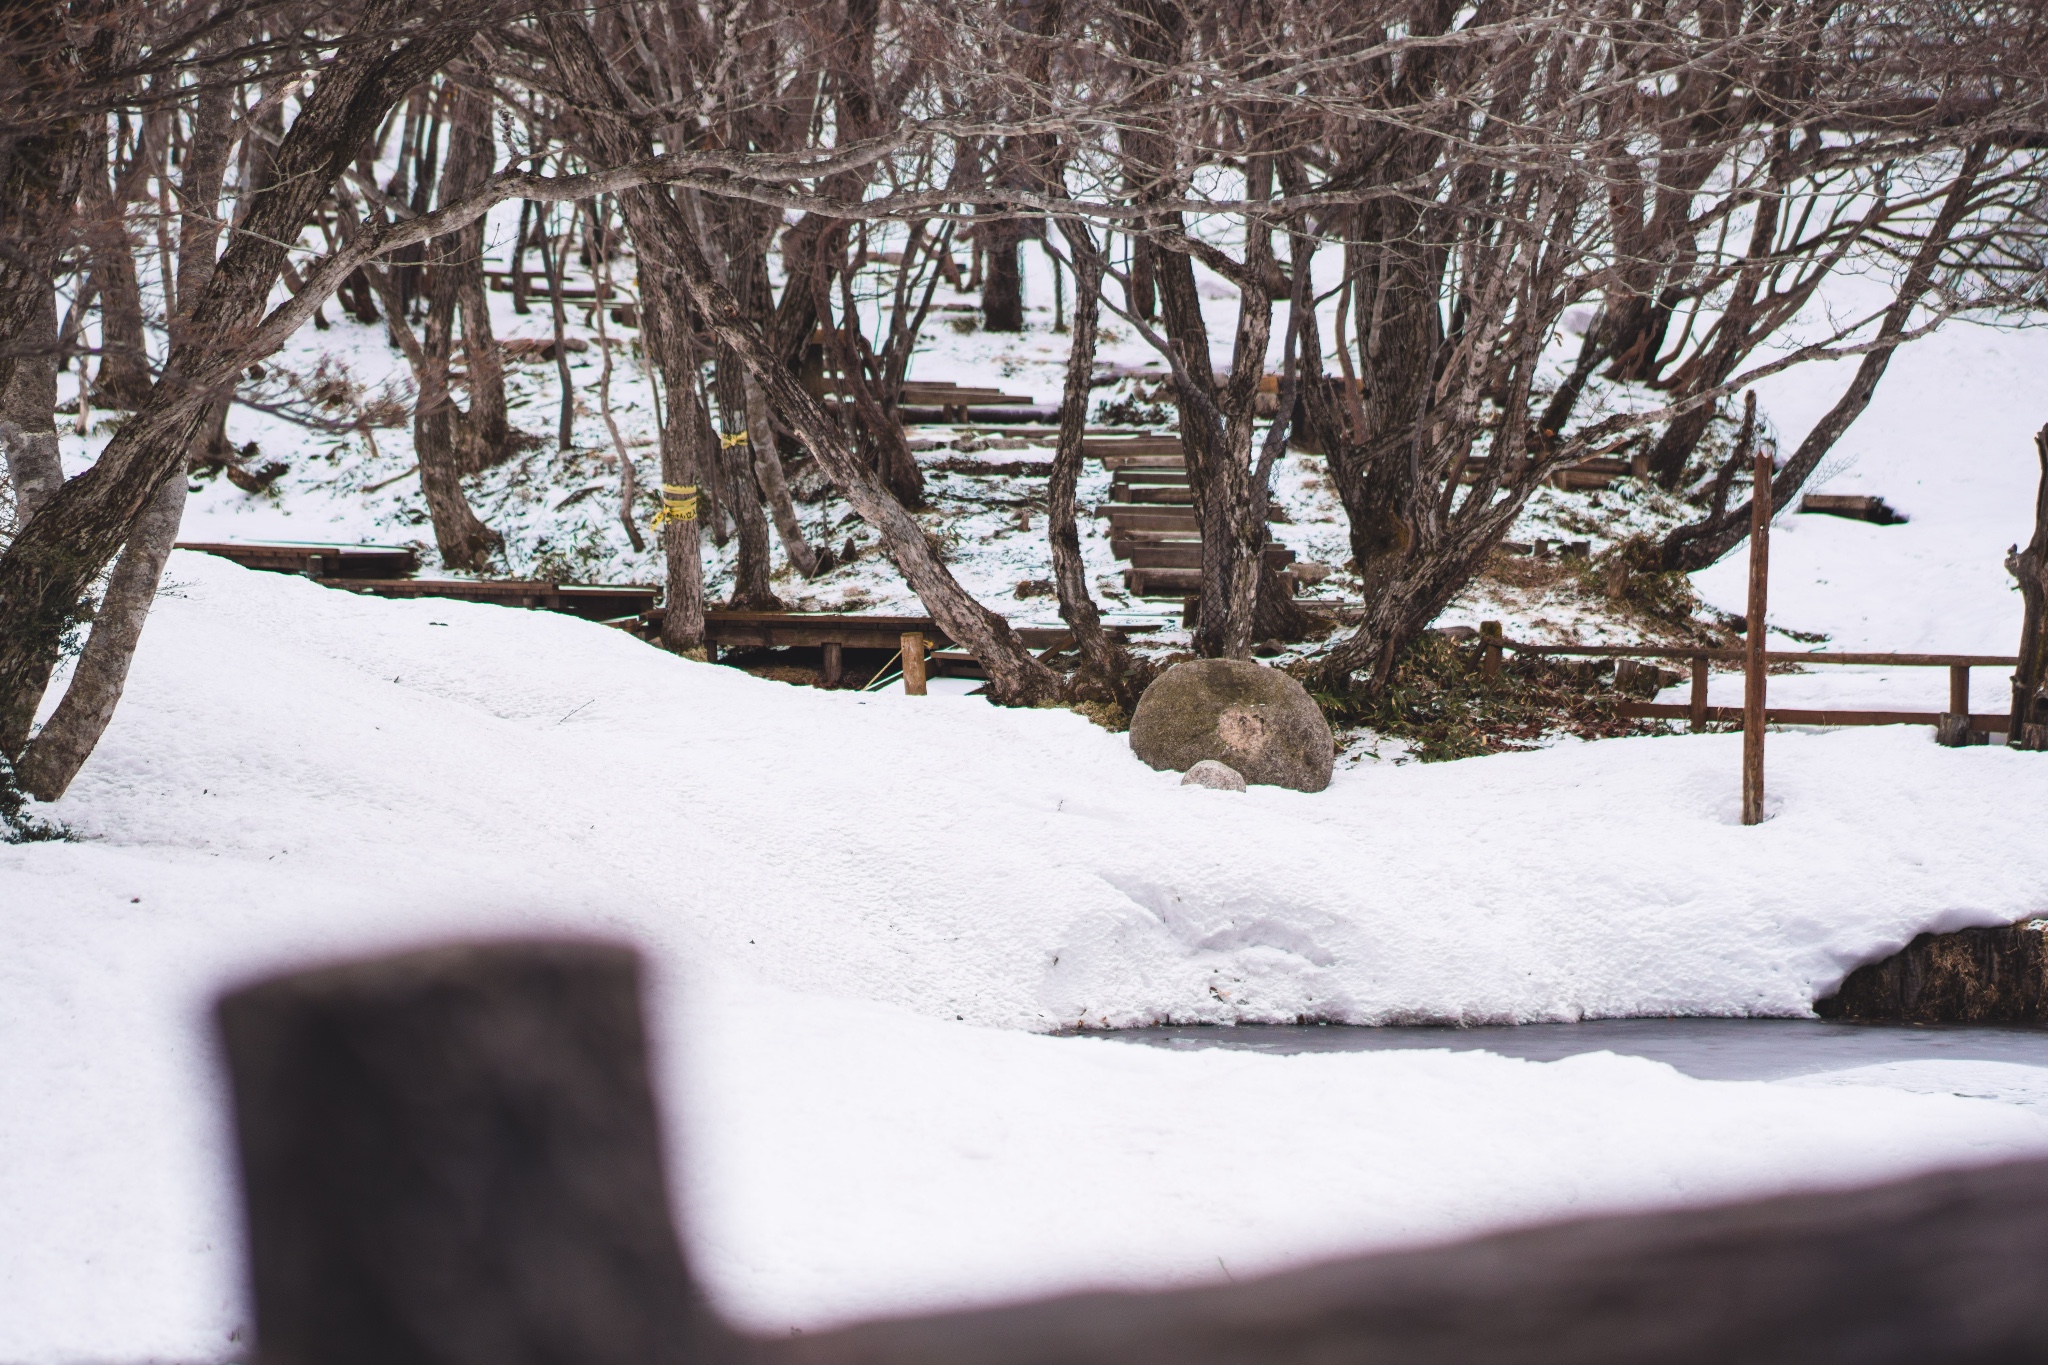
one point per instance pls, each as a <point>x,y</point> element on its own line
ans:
<point>299,773</point>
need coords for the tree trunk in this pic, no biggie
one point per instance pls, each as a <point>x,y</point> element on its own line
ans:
<point>664,329</point>
<point>1102,654</point>
<point>1002,289</point>
<point>28,408</point>
<point>464,541</point>
<point>123,381</point>
<point>1216,434</point>
<point>67,739</point>
<point>751,590</point>
<point>2029,568</point>
<point>774,487</point>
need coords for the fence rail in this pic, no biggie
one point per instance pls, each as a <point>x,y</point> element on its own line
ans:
<point>1954,726</point>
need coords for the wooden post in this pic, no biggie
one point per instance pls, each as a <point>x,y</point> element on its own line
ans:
<point>835,663</point>
<point>1489,650</point>
<point>1953,728</point>
<point>453,1156</point>
<point>1697,721</point>
<point>913,665</point>
<point>1753,685</point>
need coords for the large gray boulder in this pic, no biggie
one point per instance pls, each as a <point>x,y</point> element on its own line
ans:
<point>1257,720</point>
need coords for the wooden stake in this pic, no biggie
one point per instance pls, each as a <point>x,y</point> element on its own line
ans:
<point>1697,721</point>
<point>913,665</point>
<point>1489,650</point>
<point>835,663</point>
<point>1753,712</point>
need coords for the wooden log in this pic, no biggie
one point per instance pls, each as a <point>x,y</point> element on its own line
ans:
<point>453,1157</point>
<point>913,665</point>
<point>1490,637</point>
<point>1754,681</point>
<point>1696,712</point>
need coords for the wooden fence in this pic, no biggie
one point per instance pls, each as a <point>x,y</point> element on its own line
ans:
<point>1698,714</point>
<point>452,1158</point>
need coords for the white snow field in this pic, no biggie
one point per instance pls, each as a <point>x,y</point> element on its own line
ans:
<point>859,909</point>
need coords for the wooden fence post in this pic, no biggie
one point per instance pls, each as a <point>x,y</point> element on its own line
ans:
<point>1953,729</point>
<point>452,1157</point>
<point>913,665</point>
<point>1489,650</point>
<point>1697,720</point>
<point>833,671</point>
<point>1754,711</point>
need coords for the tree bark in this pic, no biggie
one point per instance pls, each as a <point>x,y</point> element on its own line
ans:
<point>28,411</point>
<point>1102,654</point>
<point>751,590</point>
<point>124,380</point>
<point>2029,568</point>
<point>67,739</point>
<point>1002,289</point>
<point>774,486</point>
<point>664,324</point>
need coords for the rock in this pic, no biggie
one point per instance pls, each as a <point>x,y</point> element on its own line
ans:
<point>1216,776</point>
<point>1255,719</point>
<point>1972,976</point>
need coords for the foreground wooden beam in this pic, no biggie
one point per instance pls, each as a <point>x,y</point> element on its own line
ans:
<point>452,1156</point>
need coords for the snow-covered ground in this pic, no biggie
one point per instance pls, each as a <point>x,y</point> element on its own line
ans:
<point>859,908</point>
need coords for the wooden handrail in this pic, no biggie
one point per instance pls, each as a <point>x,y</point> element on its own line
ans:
<point>1776,656</point>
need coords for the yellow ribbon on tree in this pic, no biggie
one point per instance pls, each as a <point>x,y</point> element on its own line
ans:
<point>678,503</point>
<point>738,438</point>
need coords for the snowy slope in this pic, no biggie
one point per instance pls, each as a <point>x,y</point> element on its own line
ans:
<point>834,888</point>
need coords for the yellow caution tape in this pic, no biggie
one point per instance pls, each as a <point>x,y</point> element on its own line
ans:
<point>678,503</point>
<point>738,438</point>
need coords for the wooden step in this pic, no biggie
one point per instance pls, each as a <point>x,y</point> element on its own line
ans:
<point>1129,517</point>
<point>592,601</point>
<point>314,561</point>
<point>1168,494</point>
<point>1115,463</point>
<point>1104,447</point>
<point>1127,477</point>
<point>1189,556</point>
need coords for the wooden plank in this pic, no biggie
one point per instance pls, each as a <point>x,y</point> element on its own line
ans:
<point>1126,516</point>
<point>1119,463</point>
<point>317,561</point>
<point>1776,656</point>
<point>1648,710</point>
<point>1122,447</point>
<point>1188,555</point>
<point>1169,493</point>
